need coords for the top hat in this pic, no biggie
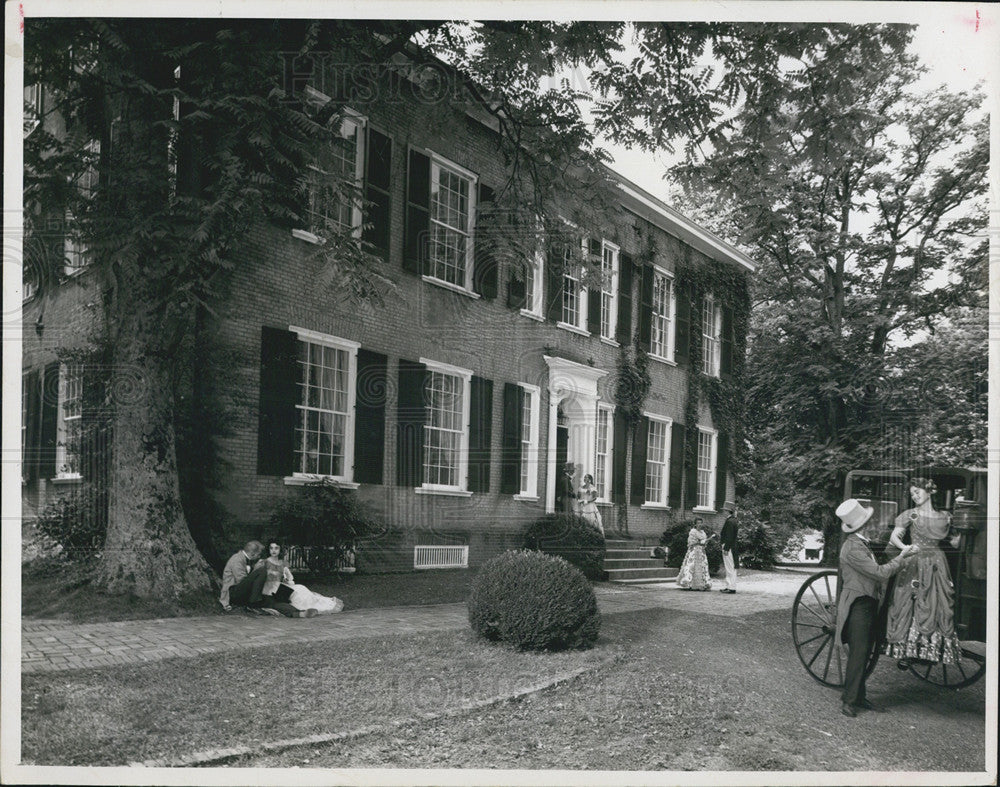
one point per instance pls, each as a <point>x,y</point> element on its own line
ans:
<point>729,505</point>
<point>853,515</point>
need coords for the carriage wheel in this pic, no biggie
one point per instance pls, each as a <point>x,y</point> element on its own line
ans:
<point>814,627</point>
<point>971,667</point>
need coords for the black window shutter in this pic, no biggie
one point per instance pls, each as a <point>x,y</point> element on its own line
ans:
<point>691,478</point>
<point>594,291</point>
<point>510,467</point>
<point>31,438</point>
<point>678,433</point>
<point>639,442</point>
<point>484,271</point>
<point>624,333</point>
<point>378,178</point>
<point>418,212</point>
<point>682,331</point>
<point>369,418</point>
<point>619,449</point>
<point>280,375</point>
<point>48,428</point>
<point>646,308</point>
<point>411,415</point>
<point>727,342</point>
<point>554,282</point>
<point>516,289</point>
<point>480,433</point>
<point>721,469</point>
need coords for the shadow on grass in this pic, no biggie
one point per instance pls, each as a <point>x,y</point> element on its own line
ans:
<point>52,588</point>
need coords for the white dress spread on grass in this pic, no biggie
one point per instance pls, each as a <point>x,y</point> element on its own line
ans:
<point>303,598</point>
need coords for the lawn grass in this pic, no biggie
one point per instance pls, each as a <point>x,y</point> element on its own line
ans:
<point>54,589</point>
<point>173,708</point>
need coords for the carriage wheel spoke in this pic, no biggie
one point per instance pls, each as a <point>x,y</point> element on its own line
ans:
<point>801,624</point>
<point>826,580</point>
<point>959,665</point>
<point>816,654</point>
<point>819,601</point>
<point>811,639</point>
<point>829,657</point>
<point>944,674</point>
<point>814,613</point>
<point>928,671</point>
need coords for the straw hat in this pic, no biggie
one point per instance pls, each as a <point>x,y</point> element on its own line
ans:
<point>853,515</point>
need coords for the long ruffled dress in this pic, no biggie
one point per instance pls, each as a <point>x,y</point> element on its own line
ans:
<point>921,618</point>
<point>694,570</point>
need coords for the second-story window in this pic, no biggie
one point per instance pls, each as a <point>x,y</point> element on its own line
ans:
<point>662,333</point>
<point>533,285</point>
<point>452,209</point>
<point>711,337</point>
<point>574,296</point>
<point>77,255</point>
<point>335,178</point>
<point>609,290</point>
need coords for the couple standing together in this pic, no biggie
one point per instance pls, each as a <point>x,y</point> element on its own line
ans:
<point>693,574</point>
<point>920,616</point>
<point>581,501</point>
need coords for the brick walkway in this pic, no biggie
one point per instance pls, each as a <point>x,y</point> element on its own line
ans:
<point>51,645</point>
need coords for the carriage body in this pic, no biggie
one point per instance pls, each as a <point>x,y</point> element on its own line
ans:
<point>962,493</point>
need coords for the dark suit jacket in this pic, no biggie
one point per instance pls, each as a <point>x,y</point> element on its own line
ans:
<point>860,575</point>
<point>565,493</point>
<point>728,536</point>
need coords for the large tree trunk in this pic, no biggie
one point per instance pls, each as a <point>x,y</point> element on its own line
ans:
<point>148,550</point>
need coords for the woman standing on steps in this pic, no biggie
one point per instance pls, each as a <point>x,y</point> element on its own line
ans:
<point>694,570</point>
<point>588,503</point>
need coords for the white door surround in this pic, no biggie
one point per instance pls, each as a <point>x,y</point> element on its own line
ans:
<point>574,386</point>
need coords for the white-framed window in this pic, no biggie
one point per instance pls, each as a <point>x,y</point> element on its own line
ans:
<point>324,435</point>
<point>69,420</point>
<point>32,107</point>
<point>529,440</point>
<point>609,289</point>
<point>707,442</point>
<point>335,178</point>
<point>446,429</point>
<point>658,461</point>
<point>602,454</point>
<point>76,252</point>
<point>534,287</point>
<point>711,329</point>
<point>664,309</point>
<point>574,295</point>
<point>453,210</point>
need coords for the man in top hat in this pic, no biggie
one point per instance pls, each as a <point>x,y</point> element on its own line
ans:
<point>861,588</point>
<point>566,490</point>
<point>730,529</point>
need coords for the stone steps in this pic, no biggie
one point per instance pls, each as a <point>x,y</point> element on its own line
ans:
<point>626,561</point>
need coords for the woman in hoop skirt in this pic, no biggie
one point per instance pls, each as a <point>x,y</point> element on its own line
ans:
<point>694,570</point>
<point>921,623</point>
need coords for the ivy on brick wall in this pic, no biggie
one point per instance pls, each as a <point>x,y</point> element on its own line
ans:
<point>725,396</point>
<point>633,382</point>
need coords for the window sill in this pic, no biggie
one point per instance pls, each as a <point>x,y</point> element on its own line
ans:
<point>572,328</point>
<point>714,376</point>
<point>527,498</point>
<point>447,285</point>
<point>74,478</point>
<point>661,359</point>
<point>308,237</point>
<point>654,507</point>
<point>609,342</point>
<point>532,315</point>
<point>302,480</point>
<point>423,490</point>
<point>704,510</point>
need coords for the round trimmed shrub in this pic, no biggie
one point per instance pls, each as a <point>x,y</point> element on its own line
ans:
<point>570,537</point>
<point>533,601</point>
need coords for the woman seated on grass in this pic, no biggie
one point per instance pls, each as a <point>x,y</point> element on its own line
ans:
<point>282,593</point>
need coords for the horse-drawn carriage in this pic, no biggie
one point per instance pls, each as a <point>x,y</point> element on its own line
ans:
<point>961,492</point>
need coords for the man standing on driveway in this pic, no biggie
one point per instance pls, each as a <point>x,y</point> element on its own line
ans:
<point>727,539</point>
<point>862,583</point>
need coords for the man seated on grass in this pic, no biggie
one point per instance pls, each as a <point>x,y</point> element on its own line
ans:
<point>241,585</point>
